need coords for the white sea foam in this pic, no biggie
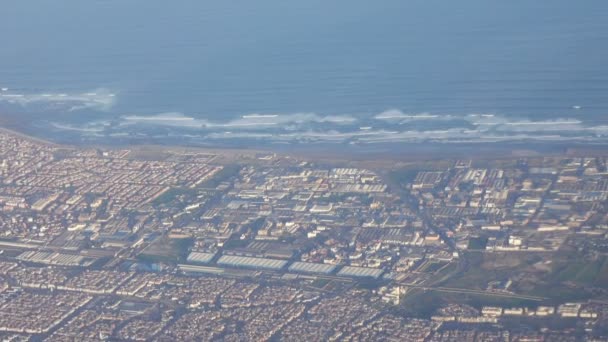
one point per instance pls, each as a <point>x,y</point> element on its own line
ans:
<point>171,119</point>
<point>312,127</point>
<point>164,117</point>
<point>542,123</point>
<point>96,127</point>
<point>395,114</point>
<point>493,122</point>
<point>248,122</point>
<point>452,135</point>
<point>100,99</point>
<point>257,116</point>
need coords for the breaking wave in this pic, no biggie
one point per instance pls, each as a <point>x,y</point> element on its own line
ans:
<point>250,122</point>
<point>386,127</point>
<point>99,99</point>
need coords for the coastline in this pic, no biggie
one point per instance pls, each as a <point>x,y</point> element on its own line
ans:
<point>385,156</point>
<point>26,136</point>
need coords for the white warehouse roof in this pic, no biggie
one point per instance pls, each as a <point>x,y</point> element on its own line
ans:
<point>353,271</point>
<point>264,263</point>
<point>309,267</point>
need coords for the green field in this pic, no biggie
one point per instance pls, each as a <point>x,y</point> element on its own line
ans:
<point>478,243</point>
<point>172,194</point>
<point>582,272</point>
<point>423,304</point>
<point>572,277</point>
<point>482,268</point>
<point>165,249</point>
<point>432,266</point>
<point>226,173</point>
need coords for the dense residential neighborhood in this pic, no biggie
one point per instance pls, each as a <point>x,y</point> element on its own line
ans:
<point>184,244</point>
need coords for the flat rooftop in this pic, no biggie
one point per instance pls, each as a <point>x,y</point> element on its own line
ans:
<point>360,272</point>
<point>309,267</point>
<point>200,257</point>
<point>250,262</point>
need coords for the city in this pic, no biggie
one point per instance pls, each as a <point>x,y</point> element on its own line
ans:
<point>174,244</point>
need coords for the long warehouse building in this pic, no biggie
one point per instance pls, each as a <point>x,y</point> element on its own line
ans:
<point>249,262</point>
<point>360,272</point>
<point>309,267</point>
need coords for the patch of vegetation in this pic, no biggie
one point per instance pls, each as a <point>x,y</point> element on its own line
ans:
<point>419,303</point>
<point>433,267</point>
<point>148,153</point>
<point>480,301</point>
<point>165,249</point>
<point>320,283</point>
<point>572,277</point>
<point>446,271</point>
<point>226,173</point>
<point>371,283</point>
<point>173,194</point>
<point>601,280</point>
<point>478,243</point>
<point>424,303</point>
<point>482,268</point>
<point>404,176</point>
<point>236,243</point>
<point>558,293</point>
<point>474,277</point>
<point>581,271</point>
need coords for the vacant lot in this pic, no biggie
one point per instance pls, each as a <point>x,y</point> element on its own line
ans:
<point>165,249</point>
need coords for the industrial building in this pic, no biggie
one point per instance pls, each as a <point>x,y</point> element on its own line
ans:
<point>309,267</point>
<point>200,257</point>
<point>360,272</point>
<point>248,262</point>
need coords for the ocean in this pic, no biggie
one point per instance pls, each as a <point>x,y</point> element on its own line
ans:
<point>223,72</point>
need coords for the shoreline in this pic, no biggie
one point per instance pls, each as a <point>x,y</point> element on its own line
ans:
<point>30,137</point>
<point>355,154</point>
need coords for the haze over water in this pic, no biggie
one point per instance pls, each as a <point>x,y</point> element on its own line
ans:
<point>337,71</point>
